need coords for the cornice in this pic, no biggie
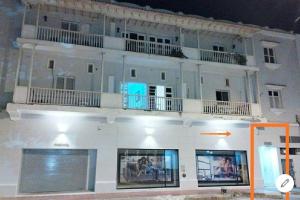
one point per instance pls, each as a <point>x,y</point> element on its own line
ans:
<point>126,12</point>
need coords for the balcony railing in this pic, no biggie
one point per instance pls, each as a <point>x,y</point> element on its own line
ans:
<point>142,46</point>
<point>69,37</point>
<point>154,103</point>
<point>226,108</point>
<point>222,57</point>
<point>52,96</point>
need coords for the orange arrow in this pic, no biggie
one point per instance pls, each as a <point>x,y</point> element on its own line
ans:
<point>226,133</point>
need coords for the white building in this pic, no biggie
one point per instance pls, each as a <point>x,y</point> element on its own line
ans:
<point>115,97</point>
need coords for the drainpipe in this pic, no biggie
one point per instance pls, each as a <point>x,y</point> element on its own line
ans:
<point>104,24</point>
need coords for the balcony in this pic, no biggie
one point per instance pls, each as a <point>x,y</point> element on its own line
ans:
<point>226,108</point>
<point>147,47</point>
<point>152,103</point>
<point>222,57</point>
<point>69,37</point>
<point>50,96</point>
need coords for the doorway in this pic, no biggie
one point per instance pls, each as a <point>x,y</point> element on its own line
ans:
<point>269,165</point>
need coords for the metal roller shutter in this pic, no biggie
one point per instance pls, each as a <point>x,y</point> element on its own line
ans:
<point>55,170</point>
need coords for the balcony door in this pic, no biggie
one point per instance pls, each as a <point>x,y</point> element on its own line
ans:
<point>158,45</point>
<point>160,97</point>
<point>136,42</point>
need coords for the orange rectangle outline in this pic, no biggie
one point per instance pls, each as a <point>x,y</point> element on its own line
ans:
<point>252,150</point>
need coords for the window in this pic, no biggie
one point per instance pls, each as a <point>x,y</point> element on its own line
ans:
<point>222,95</point>
<point>275,99</point>
<point>221,168</point>
<point>293,139</point>
<point>218,48</point>
<point>163,76</point>
<point>90,68</point>
<point>50,64</point>
<point>147,168</point>
<point>227,82</point>
<point>70,26</point>
<point>133,73</point>
<point>269,55</point>
<point>67,83</point>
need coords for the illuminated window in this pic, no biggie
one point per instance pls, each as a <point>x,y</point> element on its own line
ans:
<point>147,168</point>
<point>221,168</point>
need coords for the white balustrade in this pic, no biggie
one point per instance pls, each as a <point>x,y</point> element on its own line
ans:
<point>148,47</point>
<point>222,57</point>
<point>155,103</point>
<point>226,108</point>
<point>69,37</point>
<point>64,97</point>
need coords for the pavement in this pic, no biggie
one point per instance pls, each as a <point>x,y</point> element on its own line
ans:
<point>265,194</point>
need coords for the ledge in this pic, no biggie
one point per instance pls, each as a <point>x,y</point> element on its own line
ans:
<point>272,66</point>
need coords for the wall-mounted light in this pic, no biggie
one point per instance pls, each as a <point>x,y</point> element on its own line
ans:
<point>149,131</point>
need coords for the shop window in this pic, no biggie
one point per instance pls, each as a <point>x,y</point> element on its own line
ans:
<point>222,168</point>
<point>275,99</point>
<point>141,168</point>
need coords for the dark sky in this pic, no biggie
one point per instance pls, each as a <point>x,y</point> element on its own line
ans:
<point>273,13</point>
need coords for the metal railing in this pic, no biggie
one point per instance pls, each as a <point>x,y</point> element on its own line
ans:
<point>222,57</point>
<point>148,47</point>
<point>69,37</point>
<point>154,103</point>
<point>226,108</point>
<point>52,96</point>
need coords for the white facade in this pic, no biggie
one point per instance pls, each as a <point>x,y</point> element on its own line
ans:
<point>198,76</point>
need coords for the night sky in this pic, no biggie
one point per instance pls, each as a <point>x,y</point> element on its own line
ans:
<point>272,13</point>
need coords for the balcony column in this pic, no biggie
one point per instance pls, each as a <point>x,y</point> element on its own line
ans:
<point>198,43</point>
<point>257,88</point>
<point>104,21</point>
<point>181,79</point>
<point>125,28</point>
<point>102,71</point>
<point>123,73</point>
<point>248,91</point>
<point>199,79</point>
<point>180,37</point>
<point>18,66</point>
<point>30,70</point>
<point>37,20</point>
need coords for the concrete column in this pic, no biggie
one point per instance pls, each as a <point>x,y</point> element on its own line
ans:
<point>104,21</point>
<point>102,71</point>
<point>24,16</point>
<point>37,20</point>
<point>249,93</point>
<point>18,66</point>
<point>125,27</point>
<point>257,87</point>
<point>200,83</point>
<point>123,73</point>
<point>30,71</point>
<point>181,79</point>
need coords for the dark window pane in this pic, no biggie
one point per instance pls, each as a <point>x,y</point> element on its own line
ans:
<point>225,96</point>
<point>271,52</point>
<point>133,36</point>
<point>265,51</point>
<point>65,25</point>
<point>270,93</point>
<point>272,60</point>
<point>90,68</point>
<point>70,84</point>
<point>275,93</point>
<point>159,40</point>
<point>221,49</point>
<point>60,82</point>
<point>73,27</point>
<point>141,37</point>
<point>218,96</point>
<point>267,59</point>
<point>215,48</point>
<point>167,41</point>
<point>152,39</point>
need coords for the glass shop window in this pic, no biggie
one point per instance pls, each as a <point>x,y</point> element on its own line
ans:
<point>222,168</point>
<point>147,168</point>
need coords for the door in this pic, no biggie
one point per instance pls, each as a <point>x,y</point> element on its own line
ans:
<point>152,97</point>
<point>269,165</point>
<point>169,95</point>
<point>57,170</point>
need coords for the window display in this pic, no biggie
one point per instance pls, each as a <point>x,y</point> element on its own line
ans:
<point>141,168</point>
<point>218,168</point>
